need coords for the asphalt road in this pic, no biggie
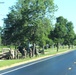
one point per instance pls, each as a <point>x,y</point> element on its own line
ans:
<point>64,64</point>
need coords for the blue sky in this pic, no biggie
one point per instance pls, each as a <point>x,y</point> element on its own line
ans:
<point>66,8</point>
<point>4,9</point>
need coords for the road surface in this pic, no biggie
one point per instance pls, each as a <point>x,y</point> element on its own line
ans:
<point>64,64</point>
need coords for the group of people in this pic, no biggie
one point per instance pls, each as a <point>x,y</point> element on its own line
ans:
<point>30,51</point>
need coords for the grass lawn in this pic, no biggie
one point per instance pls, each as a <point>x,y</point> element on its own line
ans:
<point>48,52</point>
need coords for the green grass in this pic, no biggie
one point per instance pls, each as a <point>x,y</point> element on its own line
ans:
<point>47,52</point>
<point>10,62</point>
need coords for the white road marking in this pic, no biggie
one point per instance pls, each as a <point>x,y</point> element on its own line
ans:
<point>69,68</point>
<point>32,63</point>
<point>26,65</point>
<point>74,62</point>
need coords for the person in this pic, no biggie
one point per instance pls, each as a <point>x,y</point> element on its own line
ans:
<point>20,48</point>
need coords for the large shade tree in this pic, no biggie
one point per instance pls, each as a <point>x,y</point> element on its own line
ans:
<point>28,20</point>
<point>27,13</point>
<point>59,31</point>
<point>69,38</point>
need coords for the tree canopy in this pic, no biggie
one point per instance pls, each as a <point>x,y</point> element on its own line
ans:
<point>63,32</point>
<point>28,20</point>
<point>31,20</point>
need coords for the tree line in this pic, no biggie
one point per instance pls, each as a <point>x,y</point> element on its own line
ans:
<point>30,21</point>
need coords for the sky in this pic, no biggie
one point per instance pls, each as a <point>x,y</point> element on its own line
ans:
<point>4,9</point>
<point>66,8</point>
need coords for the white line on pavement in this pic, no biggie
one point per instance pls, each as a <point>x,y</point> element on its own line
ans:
<point>31,64</point>
<point>27,65</point>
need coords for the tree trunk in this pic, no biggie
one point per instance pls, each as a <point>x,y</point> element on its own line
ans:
<point>43,50</point>
<point>36,52</point>
<point>57,46</point>
<point>68,46</point>
<point>72,46</point>
<point>33,50</point>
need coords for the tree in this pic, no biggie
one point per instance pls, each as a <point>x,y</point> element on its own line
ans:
<point>59,31</point>
<point>69,37</point>
<point>27,20</point>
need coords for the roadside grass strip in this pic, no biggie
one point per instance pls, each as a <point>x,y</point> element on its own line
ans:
<point>4,64</point>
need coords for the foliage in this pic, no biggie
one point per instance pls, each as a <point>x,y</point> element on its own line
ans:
<point>28,20</point>
<point>69,38</point>
<point>59,31</point>
<point>31,20</point>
